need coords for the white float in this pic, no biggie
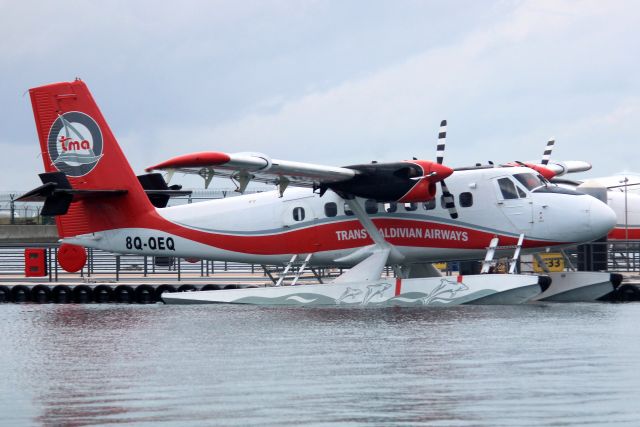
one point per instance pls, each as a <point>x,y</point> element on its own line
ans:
<point>433,291</point>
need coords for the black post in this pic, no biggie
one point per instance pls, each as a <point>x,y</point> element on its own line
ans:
<point>12,207</point>
<point>49,269</point>
<point>89,263</point>
<point>55,263</point>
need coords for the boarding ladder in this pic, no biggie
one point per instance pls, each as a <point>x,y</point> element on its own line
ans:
<point>292,270</point>
<point>491,251</point>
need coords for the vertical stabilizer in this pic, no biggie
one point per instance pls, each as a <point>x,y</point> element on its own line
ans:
<point>76,140</point>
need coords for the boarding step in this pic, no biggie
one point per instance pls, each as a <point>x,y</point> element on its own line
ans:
<point>293,271</point>
<point>489,262</point>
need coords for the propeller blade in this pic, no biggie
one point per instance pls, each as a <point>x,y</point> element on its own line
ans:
<point>547,152</point>
<point>442,139</point>
<point>449,201</point>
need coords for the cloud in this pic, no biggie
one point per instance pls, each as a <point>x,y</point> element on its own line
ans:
<point>330,83</point>
<point>505,90</point>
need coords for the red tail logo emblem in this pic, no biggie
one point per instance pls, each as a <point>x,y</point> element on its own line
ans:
<point>75,144</point>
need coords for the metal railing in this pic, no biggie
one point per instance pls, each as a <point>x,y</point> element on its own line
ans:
<point>108,266</point>
<point>101,265</point>
<point>615,256</point>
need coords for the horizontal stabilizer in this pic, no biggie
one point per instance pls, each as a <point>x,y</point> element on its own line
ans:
<point>158,191</point>
<point>57,194</point>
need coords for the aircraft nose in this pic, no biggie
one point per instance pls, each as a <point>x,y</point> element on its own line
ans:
<point>601,218</point>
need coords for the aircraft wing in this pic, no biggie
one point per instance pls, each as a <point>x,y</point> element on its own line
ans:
<point>568,166</point>
<point>406,181</point>
<point>555,169</point>
<point>256,167</point>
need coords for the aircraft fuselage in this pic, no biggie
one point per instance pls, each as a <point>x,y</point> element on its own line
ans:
<point>263,228</point>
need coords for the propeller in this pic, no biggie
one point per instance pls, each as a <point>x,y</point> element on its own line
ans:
<point>449,201</point>
<point>547,152</point>
<point>543,167</point>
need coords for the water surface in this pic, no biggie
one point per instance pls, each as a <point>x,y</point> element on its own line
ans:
<point>538,364</point>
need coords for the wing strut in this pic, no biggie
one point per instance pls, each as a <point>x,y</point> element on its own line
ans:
<point>206,174</point>
<point>375,256</point>
<point>241,179</point>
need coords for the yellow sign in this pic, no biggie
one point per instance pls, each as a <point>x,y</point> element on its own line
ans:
<point>440,265</point>
<point>554,262</point>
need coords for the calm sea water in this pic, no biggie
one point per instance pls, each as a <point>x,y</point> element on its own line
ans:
<point>542,364</point>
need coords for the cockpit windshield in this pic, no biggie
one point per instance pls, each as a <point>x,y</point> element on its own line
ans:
<point>529,180</point>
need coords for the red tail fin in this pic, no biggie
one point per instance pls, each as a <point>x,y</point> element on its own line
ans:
<point>76,140</point>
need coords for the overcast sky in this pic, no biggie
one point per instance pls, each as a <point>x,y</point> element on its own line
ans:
<point>332,82</point>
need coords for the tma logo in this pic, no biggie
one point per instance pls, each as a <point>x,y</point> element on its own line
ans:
<point>75,143</point>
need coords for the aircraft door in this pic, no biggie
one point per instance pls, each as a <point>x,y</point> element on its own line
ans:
<point>515,203</point>
<point>298,212</point>
<point>299,217</point>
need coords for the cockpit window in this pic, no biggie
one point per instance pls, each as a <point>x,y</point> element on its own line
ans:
<point>529,180</point>
<point>508,188</point>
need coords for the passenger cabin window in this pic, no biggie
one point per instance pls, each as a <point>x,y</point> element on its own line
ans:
<point>347,210</point>
<point>430,205</point>
<point>330,209</point>
<point>466,199</point>
<point>371,206</point>
<point>391,207</point>
<point>298,214</point>
<point>410,207</point>
<point>508,188</point>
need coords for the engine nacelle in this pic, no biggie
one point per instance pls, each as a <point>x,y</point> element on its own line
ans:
<point>542,170</point>
<point>408,181</point>
<point>423,191</point>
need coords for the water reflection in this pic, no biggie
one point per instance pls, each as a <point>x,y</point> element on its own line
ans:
<point>236,365</point>
<point>83,365</point>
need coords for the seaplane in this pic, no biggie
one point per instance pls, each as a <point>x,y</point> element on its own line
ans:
<point>624,199</point>
<point>405,214</point>
<point>621,194</point>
